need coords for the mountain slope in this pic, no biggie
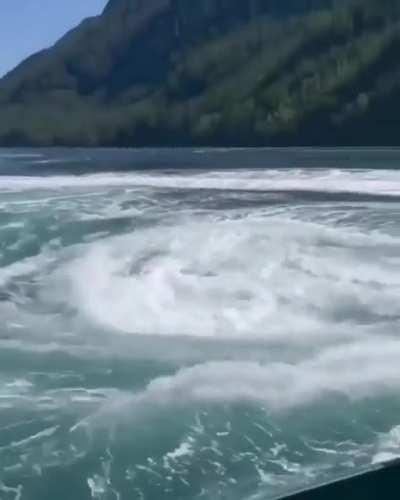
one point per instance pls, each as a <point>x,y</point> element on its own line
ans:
<point>234,72</point>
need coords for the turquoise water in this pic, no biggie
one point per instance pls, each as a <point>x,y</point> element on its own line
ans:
<point>206,332</point>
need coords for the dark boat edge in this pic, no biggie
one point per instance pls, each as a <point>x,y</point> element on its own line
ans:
<point>380,482</point>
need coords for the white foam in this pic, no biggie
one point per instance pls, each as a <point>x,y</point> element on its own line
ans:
<point>46,433</point>
<point>16,491</point>
<point>20,384</point>
<point>384,457</point>
<point>388,446</point>
<point>384,182</point>
<point>24,267</point>
<point>98,486</point>
<point>184,449</point>
<point>270,278</point>
<point>282,385</point>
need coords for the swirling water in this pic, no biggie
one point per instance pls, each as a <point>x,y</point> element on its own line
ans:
<point>206,332</point>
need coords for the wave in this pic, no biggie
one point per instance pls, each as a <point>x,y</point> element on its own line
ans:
<point>281,385</point>
<point>382,182</point>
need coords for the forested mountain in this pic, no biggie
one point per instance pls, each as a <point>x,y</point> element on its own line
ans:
<point>213,72</point>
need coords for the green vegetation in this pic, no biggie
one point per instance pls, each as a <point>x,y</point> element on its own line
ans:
<point>215,72</point>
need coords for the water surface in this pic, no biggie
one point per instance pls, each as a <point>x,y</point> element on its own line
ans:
<point>206,324</point>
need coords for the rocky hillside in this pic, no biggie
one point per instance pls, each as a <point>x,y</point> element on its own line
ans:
<point>211,72</point>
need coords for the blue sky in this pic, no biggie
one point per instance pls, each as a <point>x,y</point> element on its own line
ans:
<point>27,26</point>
